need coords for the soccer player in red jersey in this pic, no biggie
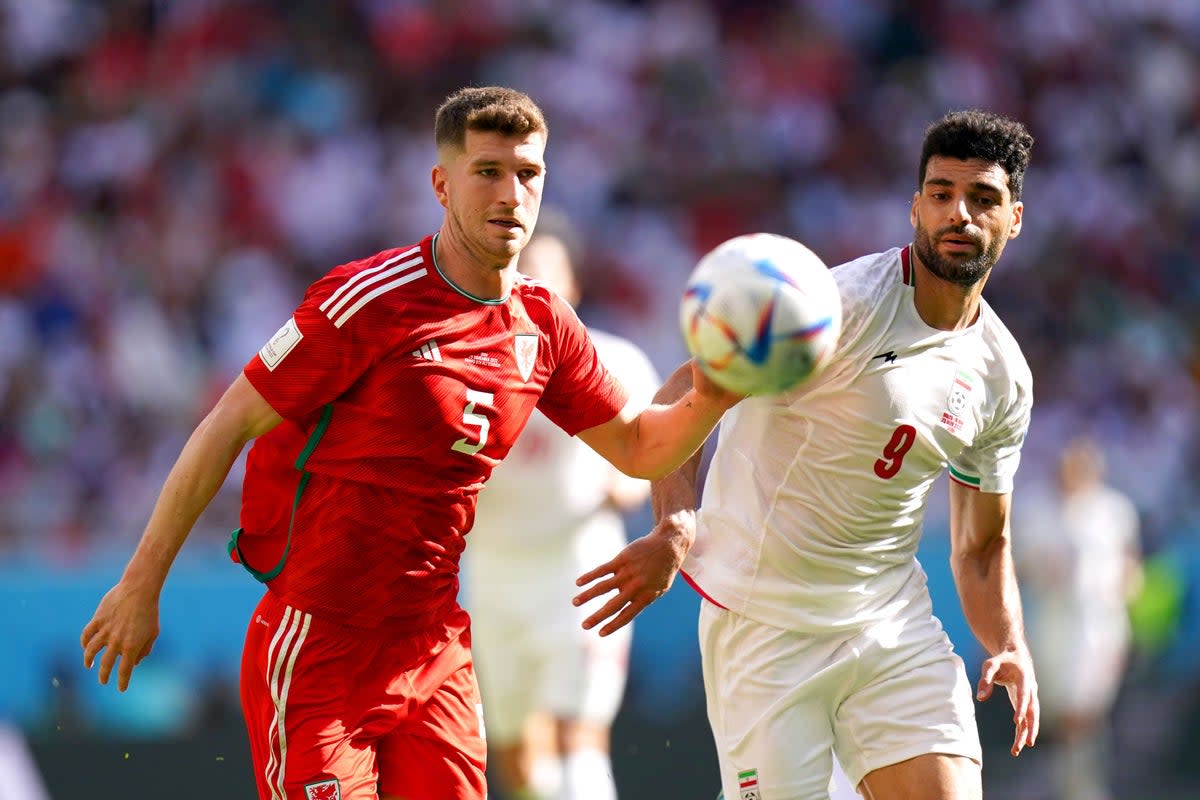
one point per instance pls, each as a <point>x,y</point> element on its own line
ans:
<point>377,412</point>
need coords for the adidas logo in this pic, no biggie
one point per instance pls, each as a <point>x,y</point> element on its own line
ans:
<point>428,351</point>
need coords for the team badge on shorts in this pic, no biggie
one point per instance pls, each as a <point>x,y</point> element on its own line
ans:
<point>525,345</point>
<point>323,790</point>
<point>748,784</point>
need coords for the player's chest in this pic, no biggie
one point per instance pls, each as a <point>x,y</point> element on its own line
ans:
<point>472,384</point>
<point>934,388</point>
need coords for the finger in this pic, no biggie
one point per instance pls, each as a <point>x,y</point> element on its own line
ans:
<point>124,673</point>
<point>94,645</point>
<point>607,611</point>
<point>624,618</point>
<point>1021,707</point>
<point>596,590</point>
<point>1019,735</point>
<point>88,632</point>
<point>607,568</point>
<point>1028,720</point>
<point>1035,712</point>
<point>987,674</point>
<point>106,663</point>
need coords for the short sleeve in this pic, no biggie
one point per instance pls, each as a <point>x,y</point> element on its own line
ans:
<point>581,393</point>
<point>312,360</point>
<point>990,463</point>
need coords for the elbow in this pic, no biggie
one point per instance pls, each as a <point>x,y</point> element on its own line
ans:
<point>979,563</point>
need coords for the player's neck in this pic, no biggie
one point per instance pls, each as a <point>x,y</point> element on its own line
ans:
<point>469,272</point>
<point>944,305</point>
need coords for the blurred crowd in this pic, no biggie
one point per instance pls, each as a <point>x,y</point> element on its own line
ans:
<point>173,174</point>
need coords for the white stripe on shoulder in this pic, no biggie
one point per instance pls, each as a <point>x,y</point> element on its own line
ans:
<point>368,277</point>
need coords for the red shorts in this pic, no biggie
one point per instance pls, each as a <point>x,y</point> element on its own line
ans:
<point>337,713</point>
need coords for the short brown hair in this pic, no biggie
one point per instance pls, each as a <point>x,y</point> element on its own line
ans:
<point>487,108</point>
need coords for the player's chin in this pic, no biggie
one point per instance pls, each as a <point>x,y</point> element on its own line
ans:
<point>508,242</point>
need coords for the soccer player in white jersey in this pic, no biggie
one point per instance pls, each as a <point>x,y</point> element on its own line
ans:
<point>553,509</point>
<point>817,633</point>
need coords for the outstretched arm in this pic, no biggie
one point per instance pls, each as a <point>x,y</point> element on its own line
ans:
<point>125,624</point>
<point>645,569</point>
<point>653,441</point>
<point>981,559</point>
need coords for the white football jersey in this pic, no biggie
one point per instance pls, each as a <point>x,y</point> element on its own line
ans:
<point>550,483</point>
<point>813,504</point>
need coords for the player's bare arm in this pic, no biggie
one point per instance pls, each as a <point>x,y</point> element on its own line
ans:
<point>981,558</point>
<point>645,569</point>
<point>652,441</point>
<point>125,624</point>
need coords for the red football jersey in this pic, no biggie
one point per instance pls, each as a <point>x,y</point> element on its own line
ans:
<point>399,394</point>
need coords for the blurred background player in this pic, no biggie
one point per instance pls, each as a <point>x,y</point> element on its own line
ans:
<point>554,509</point>
<point>1078,556</point>
<point>19,778</point>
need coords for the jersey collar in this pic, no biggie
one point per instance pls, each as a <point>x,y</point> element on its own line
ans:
<point>488,301</point>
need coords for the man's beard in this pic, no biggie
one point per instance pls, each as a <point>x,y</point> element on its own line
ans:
<point>962,273</point>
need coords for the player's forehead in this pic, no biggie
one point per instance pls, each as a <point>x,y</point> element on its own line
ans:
<point>965,173</point>
<point>483,147</point>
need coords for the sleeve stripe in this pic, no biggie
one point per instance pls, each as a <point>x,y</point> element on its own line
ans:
<point>367,273</point>
<point>963,478</point>
<point>369,296</point>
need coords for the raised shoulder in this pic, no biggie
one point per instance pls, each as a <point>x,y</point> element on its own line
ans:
<point>1006,345</point>
<point>864,283</point>
<point>349,288</point>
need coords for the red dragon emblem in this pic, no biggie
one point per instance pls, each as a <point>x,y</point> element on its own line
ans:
<point>326,790</point>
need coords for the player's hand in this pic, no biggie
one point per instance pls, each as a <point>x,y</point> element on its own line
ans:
<point>1013,669</point>
<point>124,626</point>
<point>640,574</point>
<point>713,392</point>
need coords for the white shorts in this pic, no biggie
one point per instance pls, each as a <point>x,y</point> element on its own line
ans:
<point>781,703</point>
<point>531,653</point>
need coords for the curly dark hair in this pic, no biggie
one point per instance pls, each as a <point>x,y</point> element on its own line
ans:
<point>980,134</point>
<point>486,108</point>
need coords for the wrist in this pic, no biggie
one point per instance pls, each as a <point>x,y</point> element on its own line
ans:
<point>713,402</point>
<point>143,579</point>
<point>677,526</point>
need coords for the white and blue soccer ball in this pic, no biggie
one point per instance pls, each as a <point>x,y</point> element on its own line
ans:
<point>761,314</point>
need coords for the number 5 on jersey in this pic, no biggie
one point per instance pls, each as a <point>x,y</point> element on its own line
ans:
<point>471,418</point>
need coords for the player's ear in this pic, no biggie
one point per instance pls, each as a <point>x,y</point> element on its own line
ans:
<point>1018,213</point>
<point>438,179</point>
<point>912,209</point>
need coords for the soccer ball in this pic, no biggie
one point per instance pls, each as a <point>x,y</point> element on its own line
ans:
<point>761,314</point>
